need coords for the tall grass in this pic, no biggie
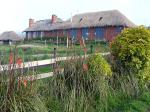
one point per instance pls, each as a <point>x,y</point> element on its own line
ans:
<point>17,92</point>
<point>77,90</point>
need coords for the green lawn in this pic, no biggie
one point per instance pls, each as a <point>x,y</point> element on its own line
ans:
<point>39,51</point>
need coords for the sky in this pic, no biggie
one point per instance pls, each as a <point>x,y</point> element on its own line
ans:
<point>14,14</point>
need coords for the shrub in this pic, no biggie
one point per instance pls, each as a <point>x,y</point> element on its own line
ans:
<point>131,50</point>
<point>99,66</point>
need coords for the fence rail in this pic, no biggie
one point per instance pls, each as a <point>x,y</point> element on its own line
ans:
<point>37,63</point>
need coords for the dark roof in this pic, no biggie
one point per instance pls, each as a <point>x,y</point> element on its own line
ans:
<point>94,19</point>
<point>10,35</point>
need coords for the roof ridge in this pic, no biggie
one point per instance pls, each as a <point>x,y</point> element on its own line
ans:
<point>104,11</point>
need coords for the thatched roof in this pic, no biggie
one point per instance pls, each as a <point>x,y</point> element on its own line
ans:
<point>104,18</point>
<point>43,25</point>
<point>10,35</point>
<point>94,19</point>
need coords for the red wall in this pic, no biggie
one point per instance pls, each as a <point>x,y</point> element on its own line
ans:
<point>109,33</point>
<point>58,33</point>
<point>48,34</point>
<point>68,33</point>
<point>91,33</point>
<point>79,33</point>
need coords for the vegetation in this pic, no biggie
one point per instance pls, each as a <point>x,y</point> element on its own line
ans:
<point>99,66</point>
<point>33,51</point>
<point>19,94</point>
<point>86,84</point>
<point>131,51</point>
<point>80,91</point>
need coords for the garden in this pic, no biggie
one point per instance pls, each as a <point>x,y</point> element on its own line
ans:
<point>90,81</point>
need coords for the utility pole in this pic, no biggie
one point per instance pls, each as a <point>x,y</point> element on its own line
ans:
<point>67,42</point>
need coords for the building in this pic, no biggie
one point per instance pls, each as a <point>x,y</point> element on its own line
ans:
<point>9,37</point>
<point>104,25</point>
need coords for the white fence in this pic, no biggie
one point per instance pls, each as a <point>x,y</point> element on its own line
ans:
<point>38,63</point>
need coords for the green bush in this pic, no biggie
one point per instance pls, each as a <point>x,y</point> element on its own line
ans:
<point>98,65</point>
<point>131,50</point>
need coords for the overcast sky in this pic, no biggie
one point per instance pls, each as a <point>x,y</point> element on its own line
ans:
<point>14,14</point>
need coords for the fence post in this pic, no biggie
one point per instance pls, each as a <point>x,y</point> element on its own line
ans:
<point>57,41</point>
<point>91,49</point>
<point>54,57</point>
<point>45,42</point>
<point>67,42</point>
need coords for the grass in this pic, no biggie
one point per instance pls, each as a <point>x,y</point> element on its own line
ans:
<point>48,48</point>
<point>46,52</point>
<point>140,104</point>
<point>45,69</point>
<point>46,100</point>
<point>75,90</point>
<point>61,93</point>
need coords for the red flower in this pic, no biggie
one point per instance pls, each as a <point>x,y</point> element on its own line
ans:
<point>25,82</point>
<point>11,58</point>
<point>85,66</point>
<point>81,43</point>
<point>85,50</point>
<point>19,62</point>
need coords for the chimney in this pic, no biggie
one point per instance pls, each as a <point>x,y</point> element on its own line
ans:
<point>31,22</point>
<point>54,19</point>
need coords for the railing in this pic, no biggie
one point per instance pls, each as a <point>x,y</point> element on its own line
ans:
<point>39,63</point>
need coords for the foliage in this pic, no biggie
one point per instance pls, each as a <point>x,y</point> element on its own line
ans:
<point>131,50</point>
<point>81,90</point>
<point>96,89</point>
<point>99,66</point>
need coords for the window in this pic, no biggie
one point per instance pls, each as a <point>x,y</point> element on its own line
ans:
<point>81,19</point>
<point>100,18</point>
